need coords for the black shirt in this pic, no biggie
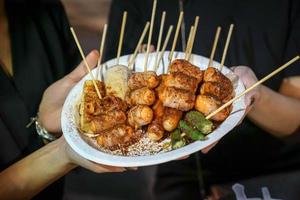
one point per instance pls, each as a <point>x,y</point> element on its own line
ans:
<point>42,52</point>
<point>266,35</point>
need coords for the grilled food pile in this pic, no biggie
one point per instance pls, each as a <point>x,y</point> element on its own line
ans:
<point>172,105</point>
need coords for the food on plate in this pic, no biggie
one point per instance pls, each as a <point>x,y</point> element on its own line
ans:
<point>218,89</point>
<point>141,96</point>
<point>155,130</point>
<point>207,104</point>
<point>181,81</point>
<point>119,136</point>
<point>184,66</point>
<point>147,79</point>
<point>116,79</point>
<point>171,118</point>
<point>143,105</point>
<point>139,116</point>
<point>197,120</point>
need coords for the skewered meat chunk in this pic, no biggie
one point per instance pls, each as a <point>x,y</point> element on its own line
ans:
<point>176,98</point>
<point>105,105</point>
<point>187,68</point>
<point>182,81</point>
<point>155,130</point>
<point>207,104</point>
<point>147,79</point>
<point>89,88</point>
<point>212,74</point>
<point>117,136</point>
<point>142,96</point>
<point>171,118</point>
<point>104,122</point>
<point>217,89</point>
<point>140,115</point>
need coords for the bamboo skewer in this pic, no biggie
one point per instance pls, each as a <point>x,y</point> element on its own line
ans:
<point>164,47</point>
<point>214,46</point>
<point>253,86</point>
<point>85,62</point>
<point>150,34</point>
<point>226,46</point>
<point>133,57</point>
<point>121,36</point>
<point>188,45</point>
<point>175,36</point>
<point>101,49</point>
<point>161,30</point>
<point>193,38</point>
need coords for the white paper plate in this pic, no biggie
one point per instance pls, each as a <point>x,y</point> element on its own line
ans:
<point>74,139</point>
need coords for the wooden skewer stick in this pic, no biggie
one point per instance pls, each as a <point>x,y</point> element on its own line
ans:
<point>188,45</point>
<point>133,57</point>
<point>121,36</point>
<point>85,62</point>
<point>150,34</point>
<point>253,86</point>
<point>212,55</point>
<point>176,36</point>
<point>226,46</point>
<point>164,47</point>
<point>161,30</point>
<point>101,49</point>
<point>193,38</point>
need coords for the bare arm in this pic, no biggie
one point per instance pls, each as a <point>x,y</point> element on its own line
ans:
<point>29,176</point>
<point>278,112</point>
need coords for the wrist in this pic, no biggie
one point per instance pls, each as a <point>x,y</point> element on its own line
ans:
<point>260,99</point>
<point>64,152</point>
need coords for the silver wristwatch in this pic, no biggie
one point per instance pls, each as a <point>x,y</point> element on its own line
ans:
<point>41,131</point>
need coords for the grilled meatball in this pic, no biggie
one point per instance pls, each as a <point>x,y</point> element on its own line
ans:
<point>171,118</point>
<point>140,115</point>
<point>155,130</point>
<point>147,79</point>
<point>207,104</point>
<point>142,96</point>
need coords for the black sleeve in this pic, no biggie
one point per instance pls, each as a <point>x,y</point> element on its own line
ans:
<point>293,40</point>
<point>136,20</point>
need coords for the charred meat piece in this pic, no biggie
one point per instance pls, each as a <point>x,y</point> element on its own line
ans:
<point>176,98</point>
<point>217,89</point>
<point>212,74</point>
<point>122,135</point>
<point>187,68</point>
<point>182,81</point>
<point>171,118</point>
<point>207,104</point>
<point>103,122</point>
<point>89,88</point>
<point>142,96</point>
<point>155,130</point>
<point>147,79</point>
<point>139,116</point>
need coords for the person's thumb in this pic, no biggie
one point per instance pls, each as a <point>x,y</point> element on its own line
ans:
<point>81,70</point>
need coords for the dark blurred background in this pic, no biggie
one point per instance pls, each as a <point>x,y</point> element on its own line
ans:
<point>88,17</point>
